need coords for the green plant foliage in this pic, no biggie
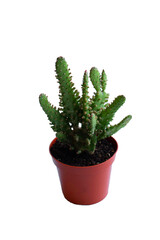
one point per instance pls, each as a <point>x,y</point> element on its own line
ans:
<point>81,121</point>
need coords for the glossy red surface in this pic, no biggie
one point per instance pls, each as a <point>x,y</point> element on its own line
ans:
<point>85,185</point>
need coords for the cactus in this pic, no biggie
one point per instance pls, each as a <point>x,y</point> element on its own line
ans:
<point>81,121</point>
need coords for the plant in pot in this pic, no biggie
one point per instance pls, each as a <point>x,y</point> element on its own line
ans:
<point>83,149</point>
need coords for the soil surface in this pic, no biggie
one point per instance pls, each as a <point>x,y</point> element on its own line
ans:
<point>104,150</point>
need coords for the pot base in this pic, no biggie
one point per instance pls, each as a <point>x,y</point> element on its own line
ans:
<point>85,187</point>
<point>85,203</point>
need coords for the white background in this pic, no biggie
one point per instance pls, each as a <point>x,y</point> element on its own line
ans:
<point>122,37</point>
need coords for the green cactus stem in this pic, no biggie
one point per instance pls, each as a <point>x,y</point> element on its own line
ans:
<point>95,78</point>
<point>85,102</point>
<point>103,81</point>
<point>113,129</point>
<point>108,113</point>
<point>81,121</point>
<point>69,96</point>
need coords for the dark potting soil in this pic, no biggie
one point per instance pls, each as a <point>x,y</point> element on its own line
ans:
<point>104,150</point>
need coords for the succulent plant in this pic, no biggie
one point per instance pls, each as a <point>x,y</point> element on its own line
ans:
<point>81,121</point>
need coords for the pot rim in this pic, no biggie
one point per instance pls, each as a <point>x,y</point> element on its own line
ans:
<point>84,167</point>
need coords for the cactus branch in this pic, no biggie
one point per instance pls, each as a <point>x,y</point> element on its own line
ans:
<point>103,81</point>
<point>85,100</point>
<point>57,121</point>
<point>93,124</point>
<point>99,101</point>
<point>113,129</point>
<point>69,97</point>
<point>107,114</point>
<point>95,78</point>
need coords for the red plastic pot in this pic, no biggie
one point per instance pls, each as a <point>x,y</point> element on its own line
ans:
<point>85,185</point>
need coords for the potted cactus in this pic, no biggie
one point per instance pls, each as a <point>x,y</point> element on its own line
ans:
<point>84,148</point>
